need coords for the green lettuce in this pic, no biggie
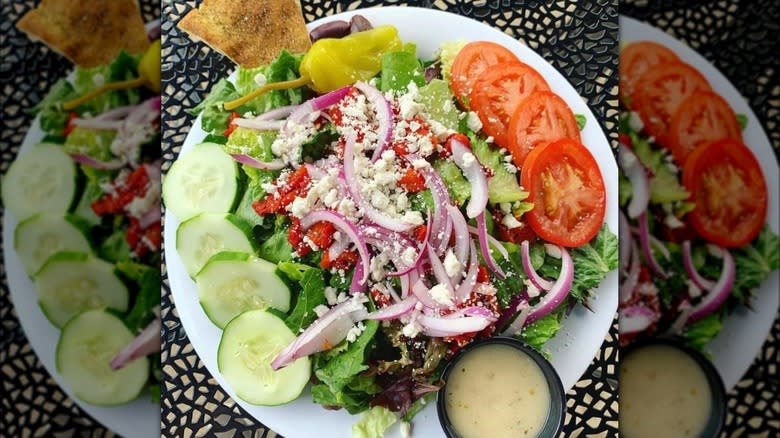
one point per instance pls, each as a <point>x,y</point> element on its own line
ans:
<point>283,68</point>
<point>457,185</point>
<point>502,186</point>
<point>437,99</point>
<point>53,118</point>
<point>277,248</point>
<point>665,187</point>
<point>214,117</point>
<point>312,295</point>
<point>373,423</point>
<point>698,334</point>
<point>399,69</point>
<point>92,142</point>
<point>754,263</point>
<point>142,312</point>
<point>539,332</point>
<point>122,68</point>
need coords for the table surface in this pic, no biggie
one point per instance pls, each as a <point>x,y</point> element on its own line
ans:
<point>193,404</point>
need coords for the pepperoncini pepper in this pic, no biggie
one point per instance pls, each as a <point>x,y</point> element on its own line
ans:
<point>333,63</point>
<point>148,75</point>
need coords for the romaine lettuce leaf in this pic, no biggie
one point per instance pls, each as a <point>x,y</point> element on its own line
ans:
<point>665,187</point>
<point>703,331</point>
<point>373,423</point>
<point>142,312</point>
<point>53,117</point>
<point>399,69</point>
<point>539,332</point>
<point>457,185</point>
<point>215,119</point>
<point>502,186</point>
<point>437,97</point>
<point>312,295</point>
<point>283,68</point>
<point>447,54</point>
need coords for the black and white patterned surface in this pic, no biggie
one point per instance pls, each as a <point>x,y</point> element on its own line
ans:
<point>580,40</point>
<point>31,402</point>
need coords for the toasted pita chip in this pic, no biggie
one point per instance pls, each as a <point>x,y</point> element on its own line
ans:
<point>249,32</point>
<point>88,32</point>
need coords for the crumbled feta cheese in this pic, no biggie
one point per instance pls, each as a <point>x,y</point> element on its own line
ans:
<point>413,217</point>
<point>406,429</point>
<point>321,310</point>
<point>139,206</point>
<point>401,201</point>
<point>311,243</point>
<point>388,155</point>
<point>260,79</point>
<point>635,122</point>
<point>409,256</point>
<point>468,160</point>
<point>647,289</point>
<point>300,207</point>
<point>451,263</point>
<point>511,222</point>
<point>671,221</point>
<point>379,200</point>
<point>330,295</point>
<point>505,207</point>
<point>510,168</point>
<point>531,290</point>
<point>490,139</point>
<point>473,122</point>
<point>341,298</point>
<point>553,251</point>
<point>98,79</point>
<point>355,331</point>
<point>442,295</point>
<point>411,330</point>
<point>693,290</point>
<point>419,163</point>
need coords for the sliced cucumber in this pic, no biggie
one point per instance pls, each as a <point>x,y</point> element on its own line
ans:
<point>206,234</point>
<point>39,237</point>
<point>231,283</point>
<point>87,344</point>
<point>41,180</point>
<point>203,180</point>
<point>248,345</point>
<point>70,283</point>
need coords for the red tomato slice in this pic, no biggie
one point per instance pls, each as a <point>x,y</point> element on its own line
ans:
<point>541,118</point>
<point>659,93</point>
<point>497,93</point>
<point>729,190</point>
<point>701,118</point>
<point>567,190</point>
<point>635,59</point>
<point>472,60</point>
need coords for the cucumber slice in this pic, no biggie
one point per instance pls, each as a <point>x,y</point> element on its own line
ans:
<point>204,180</point>
<point>39,237</point>
<point>206,234</point>
<point>87,344</point>
<point>42,180</point>
<point>231,283</point>
<point>248,345</point>
<point>70,283</point>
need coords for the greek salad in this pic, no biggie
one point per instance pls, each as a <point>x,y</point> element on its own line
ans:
<point>87,202</point>
<point>694,239</point>
<point>356,215</point>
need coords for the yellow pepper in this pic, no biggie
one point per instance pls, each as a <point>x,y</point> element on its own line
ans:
<point>148,75</point>
<point>333,63</point>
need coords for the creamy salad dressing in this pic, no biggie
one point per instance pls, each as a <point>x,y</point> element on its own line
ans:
<point>663,393</point>
<point>497,391</point>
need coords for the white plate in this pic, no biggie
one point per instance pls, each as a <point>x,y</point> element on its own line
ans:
<point>572,349</point>
<point>140,418</point>
<point>744,331</point>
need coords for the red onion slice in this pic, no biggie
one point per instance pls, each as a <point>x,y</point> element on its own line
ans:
<point>404,286</point>
<point>325,332</point>
<point>635,319</point>
<point>346,227</point>
<point>257,164</point>
<point>438,269</point>
<point>700,282</point>
<point>719,292</point>
<point>355,285</point>
<point>309,110</point>
<point>150,217</point>
<point>474,174</point>
<point>495,243</point>
<point>647,251</point>
<point>678,325</point>
<point>97,164</point>
<point>635,172</point>
<point>116,113</point>
<point>441,327</point>
<point>539,282</point>
<point>484,246</point>
<point>444,236</point>
<point>147,342</point>
<point>259,125</point>
<point>97,124</point>
<point>467,285</point>
<point>632,277</point>
<point>277,113</point>
<point>420,251</point>
<point>624,233</point>
<point>384,115</point>
<point>460,227</point>
<point>559,290</point>
<point>517,325</point>
<point>369,211</point>
<point>394,311</point>
<point>421,291</point>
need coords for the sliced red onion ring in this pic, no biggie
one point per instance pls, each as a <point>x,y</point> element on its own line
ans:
<point>495,243</point>
<point>441,198</point>
<point>338,247</point>
<point>624,232</point>
<point>346,227</point>
<point>394,311</point>
<point>445,236</point>
<point>420,251</point>
<point>442,327</point>
<point>315,172</point>
<point>325,332</point>
<point>558,292</point>
<point>483,244</point>
<point>147,342</point>
<point>355,286</point>
<point>369,211</point>
<point>647,251</point>
<point>635,172</point>
<point>404,286</point>
<point>438,269</point>
<point>384,115</point>
<point>467,285</point>
<point>474,174</point>
<point>700,282</point>
<point>635,319</point>
<point>519,322</point>
<point>116,113</point>
<point>474,311</point>
<point>277,113</point>
<point>91,162</point>
<point>678,325</point>
<point>632,277</point>
<point>539,282</point>
<point>257,164</point>
<point>719,291</point>
<point>98,124</point>
<point>259,125</point>
<point>309,110</point>
<point>460,227</point>
<point>150,217</point>
<point>421,291</point>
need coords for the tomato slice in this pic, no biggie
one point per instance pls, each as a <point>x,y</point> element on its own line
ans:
<point>635,59</point>
<point>701,118</point>
<point>659,93</point>
<point>541,118</point>
<point>497,93</point>
<point>472,60</point>
<point>729,190</point>
<point>567,190</point>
